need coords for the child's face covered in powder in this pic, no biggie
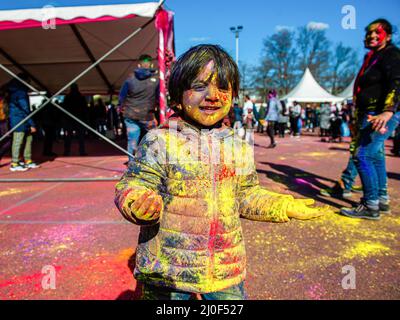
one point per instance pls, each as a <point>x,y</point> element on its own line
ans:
<point>205,102</point>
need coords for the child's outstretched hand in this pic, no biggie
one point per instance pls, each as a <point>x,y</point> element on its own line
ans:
<point>299,209</point>
<point>147,205</point>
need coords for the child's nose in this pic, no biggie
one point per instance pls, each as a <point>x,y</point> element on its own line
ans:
<point>212,93</point>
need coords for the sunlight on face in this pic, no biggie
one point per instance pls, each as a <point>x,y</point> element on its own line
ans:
<point>376,37</point>
<point>205,102</point>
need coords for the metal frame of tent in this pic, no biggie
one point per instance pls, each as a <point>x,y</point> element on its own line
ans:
<point>95,64</point>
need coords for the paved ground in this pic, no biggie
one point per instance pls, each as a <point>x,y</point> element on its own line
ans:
<point>74,227</point>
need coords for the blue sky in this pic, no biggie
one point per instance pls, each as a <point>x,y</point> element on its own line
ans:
<point>200,21</point>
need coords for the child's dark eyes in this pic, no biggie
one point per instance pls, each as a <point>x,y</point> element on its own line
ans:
<point>202,87</point>
<point>199,87</point>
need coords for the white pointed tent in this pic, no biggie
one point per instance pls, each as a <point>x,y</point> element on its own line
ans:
<point>348,92</point>
<point>308,90</point>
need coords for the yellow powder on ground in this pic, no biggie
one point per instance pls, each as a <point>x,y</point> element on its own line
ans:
<point>9,192</point>
<point>365,249</point>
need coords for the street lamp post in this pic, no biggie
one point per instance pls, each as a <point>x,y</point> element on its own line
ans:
<point>236,31</point>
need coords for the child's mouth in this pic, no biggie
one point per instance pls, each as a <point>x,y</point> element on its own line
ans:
<point>209,109</point>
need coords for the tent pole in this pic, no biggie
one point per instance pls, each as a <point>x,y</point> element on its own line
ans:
<point>19,66</point>
<point>90,55</point>
<point>69,83</point>
<point>48,100</point>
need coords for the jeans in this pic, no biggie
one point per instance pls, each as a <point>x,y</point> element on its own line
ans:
<point>17,142</point>
<point>135,130</point>
<point>369,158</point>
<point>151,292</point>
<point>349,174</point>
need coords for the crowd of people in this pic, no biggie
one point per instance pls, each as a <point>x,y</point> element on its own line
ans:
<point>51,125</point>
<point>277,118</point>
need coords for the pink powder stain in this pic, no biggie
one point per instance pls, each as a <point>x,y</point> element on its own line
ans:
<point>302,181</point>
<point>316,292</point>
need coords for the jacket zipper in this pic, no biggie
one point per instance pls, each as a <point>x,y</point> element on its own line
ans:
<point>213,221</point>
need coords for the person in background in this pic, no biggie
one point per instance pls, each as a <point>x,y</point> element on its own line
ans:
<point>283,119</point>
<point>138,98</point>
<point>273,110</point>
<point>18,110</point>
<point>238,115</point>
<point>294,115</point>
<point>112,119</point>
<point>249,125</point>
<point>5,144</point>
<point>75,103</point>
<point>50,121</point>
<point>336,122</point>
<point>248,104</point>
<point>325,121</point>
<point>100,116</point>
<point>262,112</point>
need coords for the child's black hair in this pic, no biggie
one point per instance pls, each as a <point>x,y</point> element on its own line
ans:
<point>191,63</point>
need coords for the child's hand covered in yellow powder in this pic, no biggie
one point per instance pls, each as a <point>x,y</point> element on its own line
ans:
<point>147,205</point>
<point>299,209</point>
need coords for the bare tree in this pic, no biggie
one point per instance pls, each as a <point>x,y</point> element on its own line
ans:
<point>278,61</point>
<point>314,51</point>
<point>343,68</point>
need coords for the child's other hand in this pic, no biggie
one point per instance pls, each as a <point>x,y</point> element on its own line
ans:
<point>147,206</point>
<point>299,209</point>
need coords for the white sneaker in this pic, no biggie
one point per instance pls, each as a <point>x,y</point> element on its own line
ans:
<point>17,167</point>
<point>31,165</point>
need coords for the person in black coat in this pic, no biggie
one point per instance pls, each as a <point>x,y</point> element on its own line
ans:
<point>75,103</point>
<point>376,98</point>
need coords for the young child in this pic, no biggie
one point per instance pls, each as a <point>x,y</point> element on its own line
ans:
<point>189,184</point>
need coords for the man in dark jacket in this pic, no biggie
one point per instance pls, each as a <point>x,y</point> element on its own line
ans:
<point>139,98</point>
<point>75,103</point>
<point>377,98</point>
<point>19,109</point>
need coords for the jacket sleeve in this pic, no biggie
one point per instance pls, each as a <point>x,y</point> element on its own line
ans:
<point>145,173</point>
<point>123,93</point>
<point>256,202</point>
<point>392,70</point>
<point>23,103</point>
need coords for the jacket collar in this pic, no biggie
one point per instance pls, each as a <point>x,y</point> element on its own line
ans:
<point>187,128</point>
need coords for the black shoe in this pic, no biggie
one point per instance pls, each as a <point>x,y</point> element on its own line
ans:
<point>337,191</point>
<point>384,208</point>
<point>361,212</point>
<point>271,146</point>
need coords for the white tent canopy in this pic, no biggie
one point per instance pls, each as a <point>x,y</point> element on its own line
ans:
<point>348,92</point>
<point>81,35</point>
<point>308,90</point>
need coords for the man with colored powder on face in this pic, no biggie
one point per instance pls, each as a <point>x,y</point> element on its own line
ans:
<point>190,182</point>
<point>376,98</point>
